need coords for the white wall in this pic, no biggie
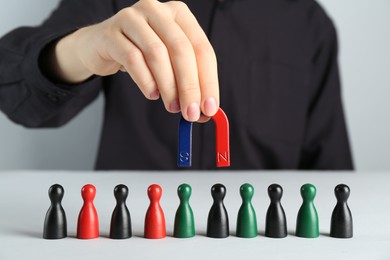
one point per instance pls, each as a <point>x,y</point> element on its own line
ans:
<point>364,36</point>
<point>46,148</point>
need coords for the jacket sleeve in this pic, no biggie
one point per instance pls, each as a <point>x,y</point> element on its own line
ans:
<point>27,96</point>
<point>326,144</point>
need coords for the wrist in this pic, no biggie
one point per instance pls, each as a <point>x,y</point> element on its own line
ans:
<point>65,60</point>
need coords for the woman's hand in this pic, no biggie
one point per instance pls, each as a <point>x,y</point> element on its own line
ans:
<point>161,46</point>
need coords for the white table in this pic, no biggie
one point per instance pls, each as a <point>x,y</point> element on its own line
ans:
<point>24,202</point>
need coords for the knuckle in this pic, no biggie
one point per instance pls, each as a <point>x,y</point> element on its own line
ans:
<point>179,6</point>
<point>126,16</point>
<point>144,5</point>
<point>190,89</point>
<point>133,57</point>
<point>155,50</point>
<point>125,13</point>
<point>180,46</point>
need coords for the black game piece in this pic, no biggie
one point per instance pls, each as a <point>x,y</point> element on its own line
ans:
<point>55,221</point>
<point>275,223</point>
<point>341,223</point>
<point>120,220</point>
<point>218,221</point>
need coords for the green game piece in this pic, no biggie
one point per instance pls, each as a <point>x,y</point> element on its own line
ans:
<point>184,218</point>
<point>307,219</point>
<point>246,219</point>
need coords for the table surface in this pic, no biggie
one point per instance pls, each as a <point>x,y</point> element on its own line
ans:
<point>24,202</point>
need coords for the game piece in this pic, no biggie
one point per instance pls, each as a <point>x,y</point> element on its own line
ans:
<point>275,221</point>
<point>246,219</point>
<point>307,219</point>
<point>120,227</point>
<point>184,219</point>
<point>55,225</point>
<point>222,138</point>
<point>218,221</point>
<point>341,223</point>
<point>185,143</point>
<point>88,222</point>
<point>222,141</point>
<point>155,219</point>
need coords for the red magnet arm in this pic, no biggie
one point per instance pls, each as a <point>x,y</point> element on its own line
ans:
<point>222,138</point>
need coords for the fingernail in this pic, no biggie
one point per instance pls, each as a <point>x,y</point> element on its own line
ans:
<point>210,106</point>
<point>193,112</point>
<point>155,95</point>
<point>174,107</point>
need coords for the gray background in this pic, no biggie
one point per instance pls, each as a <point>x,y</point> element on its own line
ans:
<point>364,36</point>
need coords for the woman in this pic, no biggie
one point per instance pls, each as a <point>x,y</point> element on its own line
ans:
<point>277,80</point>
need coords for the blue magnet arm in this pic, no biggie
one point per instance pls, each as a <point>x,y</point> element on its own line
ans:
<point>184,156</point>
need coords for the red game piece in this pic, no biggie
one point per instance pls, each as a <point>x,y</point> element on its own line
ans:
<point>222,138</point>
<point>154,219</point>
<point>88,222</point>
